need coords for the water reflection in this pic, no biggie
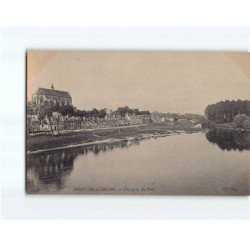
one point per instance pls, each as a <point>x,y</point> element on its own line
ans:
<point>180,164</point>
<point>48,171</point>
<point>229,140</point>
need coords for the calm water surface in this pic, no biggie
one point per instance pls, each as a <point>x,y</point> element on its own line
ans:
<point>211,163</point>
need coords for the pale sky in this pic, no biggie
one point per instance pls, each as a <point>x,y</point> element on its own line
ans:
<point>181,82</point>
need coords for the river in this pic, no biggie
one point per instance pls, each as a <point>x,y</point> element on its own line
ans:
<point>211,163</point>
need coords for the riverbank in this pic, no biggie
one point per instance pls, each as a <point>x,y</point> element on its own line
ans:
<point>226,126</point>
<point>43,142</point>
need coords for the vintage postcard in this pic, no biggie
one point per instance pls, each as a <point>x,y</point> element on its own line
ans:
<point>138,123</point>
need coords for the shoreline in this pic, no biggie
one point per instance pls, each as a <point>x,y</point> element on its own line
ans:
<point>65,132</point>
<point>112,140</point>
<point>73,146</point>
<point>227,126</point>
<point>43,143</point>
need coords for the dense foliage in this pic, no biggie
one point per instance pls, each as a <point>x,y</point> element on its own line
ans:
<point>242,121</point>
<point>226,111</point>
<point>126,110</point>
<point>69,110</point>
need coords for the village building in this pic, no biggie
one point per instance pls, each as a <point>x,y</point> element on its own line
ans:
<point>169,118</point>
<point>108,111</point>
<point>33,123</point>
<point>58,122</point>
<point>74,123</point>
<point>133,119</point>
<point>51,97</point>
<point>44,125</point>
<point>156,117</point>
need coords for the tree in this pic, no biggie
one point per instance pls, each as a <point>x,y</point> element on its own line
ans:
<point>227,110</point>
<point>102,113</point>
<point>232,110</point>
<point>143,113</point>
<point>238,107</point>
<point>210,112</point>
<point>246,123</point>
<point>219,112</point>
<point>247,104</point>
<point>80,113</point>
<point>95,112</point>
<point>46,112</point>
<point>57,116</point>
<point>66,110</point>
<point>239,119</point>
<point>122,111</point>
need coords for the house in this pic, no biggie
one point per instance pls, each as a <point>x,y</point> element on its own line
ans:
<point>134,119</point>
<point>156,117</point>
<point>169,119</point>
<point>44,125</point>
<point>57,123</point>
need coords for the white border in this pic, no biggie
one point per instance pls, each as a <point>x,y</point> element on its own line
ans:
<point>16,205</point>
<point>124,13</point>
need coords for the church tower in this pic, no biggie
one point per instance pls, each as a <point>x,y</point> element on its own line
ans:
<point>51,97</point>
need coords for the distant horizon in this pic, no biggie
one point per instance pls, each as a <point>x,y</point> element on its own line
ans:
<point>166,82</point>
<point>164,112</point>
<point>171,112</point>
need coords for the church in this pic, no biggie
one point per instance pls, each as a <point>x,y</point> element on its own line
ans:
<point>51,97</point>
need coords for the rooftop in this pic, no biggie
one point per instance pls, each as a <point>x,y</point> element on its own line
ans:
<point>52,92</point>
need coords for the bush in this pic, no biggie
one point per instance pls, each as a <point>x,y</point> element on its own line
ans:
<point>246,124</point>
<point>239,119</point>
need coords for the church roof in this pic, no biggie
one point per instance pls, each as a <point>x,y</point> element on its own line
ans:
<point>52,92</point>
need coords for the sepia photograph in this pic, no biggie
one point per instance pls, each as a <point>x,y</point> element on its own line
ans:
<point>127,122</point>
<point>137,122</point>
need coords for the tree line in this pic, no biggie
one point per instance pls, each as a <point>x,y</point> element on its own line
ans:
<point>69,110</point>
<point>122,111</point>
<point>225,111</point>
